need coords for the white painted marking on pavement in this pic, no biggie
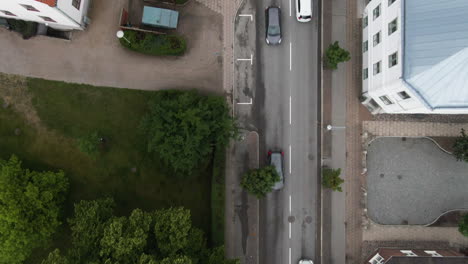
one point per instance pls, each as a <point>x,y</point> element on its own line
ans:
<point>289,230</point>
<point>290,207</point>
<point>290,154</point>
<point>289,255</point>
<point>249,103</point>
<point>247,15</point>
<point>290,102</point>
<point>290,10</point>
<point>251,59</point>
<point>290,56</point>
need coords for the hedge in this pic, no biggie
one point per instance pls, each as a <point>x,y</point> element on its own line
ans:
<point>154,44</point>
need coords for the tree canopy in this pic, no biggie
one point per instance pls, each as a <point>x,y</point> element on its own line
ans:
<point>463,225</point>
<point>172,229</point>
<point>460,147</point>
<point>182,127</point>
<point>335,54</point>
<point>30,205</point>
<point>331,179</point>
<point>259,182</point>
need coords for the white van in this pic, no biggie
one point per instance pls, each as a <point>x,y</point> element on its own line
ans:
<point>304,10</point>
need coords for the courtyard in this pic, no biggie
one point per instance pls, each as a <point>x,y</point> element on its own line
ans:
<point>412,181</point>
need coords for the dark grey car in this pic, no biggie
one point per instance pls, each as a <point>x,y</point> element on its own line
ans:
<point>273,25</point>
<point>276,159</point>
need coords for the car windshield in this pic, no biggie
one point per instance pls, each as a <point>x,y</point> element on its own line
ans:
<point>273,30</point>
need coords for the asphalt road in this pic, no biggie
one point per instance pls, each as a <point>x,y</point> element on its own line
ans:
<point>286,109</point>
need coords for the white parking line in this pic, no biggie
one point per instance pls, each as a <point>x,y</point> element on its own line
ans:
<point>289,230</point>
<point>290,102</point>
<point>289,255</point>
<point>290,10</point>
<point>251,59</point>
<point>290,154</point>
<point>247,15</point>
<point>290,56</point>
<point>249,103</point>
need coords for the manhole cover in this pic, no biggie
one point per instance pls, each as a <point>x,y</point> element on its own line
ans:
<point>308,219</point>
<point>291,219</point>
<point>311,157</point>
<point>381,175</point>
<point>399,177</point>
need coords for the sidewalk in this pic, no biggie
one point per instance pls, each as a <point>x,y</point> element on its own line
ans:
<point>334,153</point>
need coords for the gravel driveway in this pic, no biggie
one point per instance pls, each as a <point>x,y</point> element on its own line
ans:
<point>95,57</point>
<point>412,181</point>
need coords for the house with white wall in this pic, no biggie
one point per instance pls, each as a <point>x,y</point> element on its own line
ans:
<point>415,56</point>
<point>57,14</point>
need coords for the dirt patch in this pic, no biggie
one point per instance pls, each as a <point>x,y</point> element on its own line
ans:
<point>445,142</point>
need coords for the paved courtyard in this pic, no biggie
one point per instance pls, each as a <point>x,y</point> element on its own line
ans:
<point>95,56</point>
<point>412,181</point>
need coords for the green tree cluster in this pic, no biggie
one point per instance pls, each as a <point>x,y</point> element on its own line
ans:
<point>331,179</point>
<point>183,127</point>
<point>30,207</point>
<point>460,147</point>
<point>335,54</point>
<point>163,236</point>
<point>259,182</point>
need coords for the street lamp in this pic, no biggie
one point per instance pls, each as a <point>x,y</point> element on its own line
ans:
<point>120,34</point>
<point>330,127</point>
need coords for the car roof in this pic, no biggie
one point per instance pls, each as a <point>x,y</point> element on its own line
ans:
<point>306,5</point>
<point>277,160</point>
<point>273,15</point>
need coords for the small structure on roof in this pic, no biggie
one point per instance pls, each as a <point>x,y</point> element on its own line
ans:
<point>160,17</point>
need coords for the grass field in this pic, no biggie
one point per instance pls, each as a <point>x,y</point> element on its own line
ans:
<point>123,170</point>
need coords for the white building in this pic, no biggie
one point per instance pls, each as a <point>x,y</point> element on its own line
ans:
<point>415,56</point>
<point>57,14</point>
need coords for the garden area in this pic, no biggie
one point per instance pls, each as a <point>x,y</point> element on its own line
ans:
<point>120,144</point>
<point>154,44</point>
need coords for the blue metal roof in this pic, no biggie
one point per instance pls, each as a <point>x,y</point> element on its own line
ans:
<point>160,17</point>
<point>435,51</point>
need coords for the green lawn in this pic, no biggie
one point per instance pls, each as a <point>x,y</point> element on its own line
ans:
<point>69,111</point>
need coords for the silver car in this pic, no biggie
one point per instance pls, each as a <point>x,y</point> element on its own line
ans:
<point>273,25</point>
<point>276,159</point>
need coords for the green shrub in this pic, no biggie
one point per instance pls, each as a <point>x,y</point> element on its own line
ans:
<point>218,196</point>
<point>26,28</point>
<point>460,147</point>
<point>334,55</point>
<point>89,145</point>
<point>154,44</point>
<point>331,179</point>
<point>463,225</point>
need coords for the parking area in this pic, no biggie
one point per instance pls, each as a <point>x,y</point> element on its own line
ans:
<point>95,56</point>
<point>412,181</point>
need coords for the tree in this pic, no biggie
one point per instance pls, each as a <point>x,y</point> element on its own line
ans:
<point>183,127</point>
<point>196,245</point>
<point>463,225</point>
<point>176,260</point>
<point>218,256</point>
<point>55,258</point>
<point>331,179</point>
<point>30,205</point>
<point>87,226</point>
<point>172,229</point>
<point>460,147</point>
<point>125,238</point>
<point>259,182</point>
<point>146,259</point>
<point>335,54</point>
<point>90,145</point>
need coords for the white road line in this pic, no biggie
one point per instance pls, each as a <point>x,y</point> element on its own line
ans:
<point>289,230</point>
<point>247,15</point>
<point>290,112</point>
<point>290,56</point>
<point>249,103</point>
<point>251,59</point>
<point>290,10</point>
<point>289,255</point>
<point>290,207</point>
<point>290,154</point>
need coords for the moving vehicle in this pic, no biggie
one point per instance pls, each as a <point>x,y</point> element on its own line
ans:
<point>304,10</point>
<point>306,261</point>
<point>273,25</point>
<point>275,158</point>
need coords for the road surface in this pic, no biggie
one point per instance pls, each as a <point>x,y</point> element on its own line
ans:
<point>286,109</point>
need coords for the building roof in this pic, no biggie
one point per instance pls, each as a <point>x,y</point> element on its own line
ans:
<point>427,260</point>
<point>48,2</point>
<point>435,51</point>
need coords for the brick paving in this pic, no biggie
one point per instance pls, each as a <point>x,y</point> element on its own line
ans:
<point>413,129</point>
<point>227,8</point>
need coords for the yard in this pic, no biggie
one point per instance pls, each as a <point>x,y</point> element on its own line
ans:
<point>40,121</point>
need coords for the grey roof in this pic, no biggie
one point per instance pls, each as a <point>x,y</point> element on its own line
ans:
<point>427,260</point>
<point>435,51</point>
<point>160,17</point>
